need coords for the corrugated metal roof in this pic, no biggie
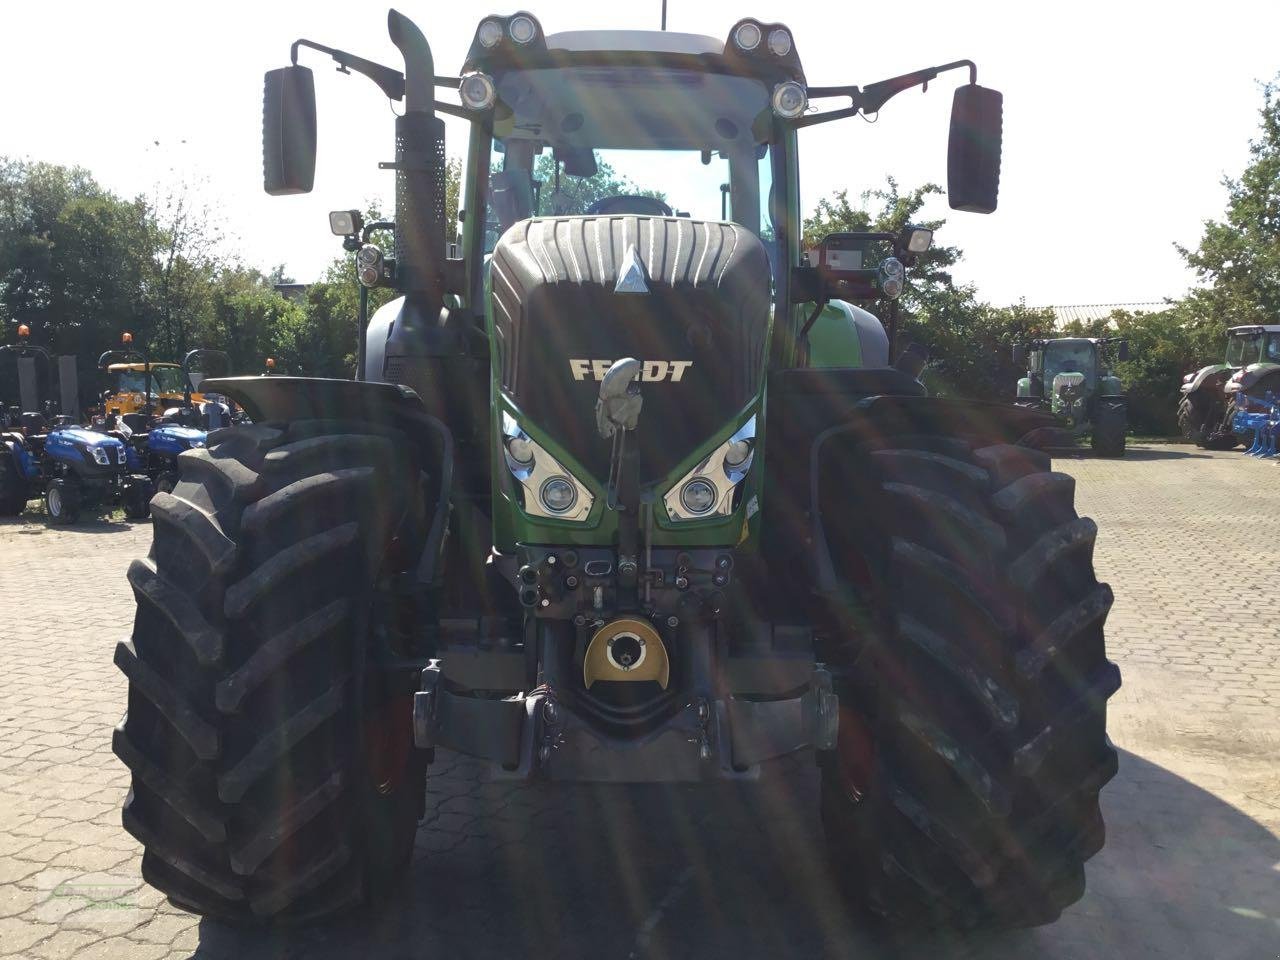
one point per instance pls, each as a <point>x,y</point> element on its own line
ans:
<point>1090,312</point>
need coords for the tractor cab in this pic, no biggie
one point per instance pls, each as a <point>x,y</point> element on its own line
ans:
<point>130,393</point>
<point>1250,345</point>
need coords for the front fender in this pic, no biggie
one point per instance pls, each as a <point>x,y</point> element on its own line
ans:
<point>1214,373</point>
<point>383,404</point>
<point>1257,372</point>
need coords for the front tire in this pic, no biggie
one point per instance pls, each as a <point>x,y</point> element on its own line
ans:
<point>13,486</point>
<point>62,501</point>
<point>973,685</point>
<point>1109,429</point>
<point>137,499</point>
<point>273,770</point>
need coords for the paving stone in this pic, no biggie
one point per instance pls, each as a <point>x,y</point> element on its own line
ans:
<point>1193,821</point>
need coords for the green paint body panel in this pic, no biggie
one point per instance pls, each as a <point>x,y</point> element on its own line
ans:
<point>834,343</point>
<point>833,340</point>
<point>512,525</point>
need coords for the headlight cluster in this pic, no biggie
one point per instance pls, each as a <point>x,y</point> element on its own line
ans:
<point>521,28</point>
<point>707,490</point>
<point>748,34</point>
<point>102,456</point>
<point>891,277</point>
<point>549,489</point>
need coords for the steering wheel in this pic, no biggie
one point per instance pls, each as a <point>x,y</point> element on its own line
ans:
<point>643,206</point>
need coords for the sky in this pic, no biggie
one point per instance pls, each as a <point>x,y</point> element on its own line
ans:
<point>1121,117</point>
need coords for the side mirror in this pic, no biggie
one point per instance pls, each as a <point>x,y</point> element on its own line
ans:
<point>1020,355</point>
<point>288,131</point>
<point>973,149</point>
<point>1123,352</point>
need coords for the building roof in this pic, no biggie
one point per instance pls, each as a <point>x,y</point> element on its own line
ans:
<point>1090,312</point>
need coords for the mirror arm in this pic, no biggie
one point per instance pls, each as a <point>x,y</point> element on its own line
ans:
<point>873,96</point>
<point>389,81</point>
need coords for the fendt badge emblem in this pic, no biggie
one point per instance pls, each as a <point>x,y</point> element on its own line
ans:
<point>653,371</point>
<point>631,274</point>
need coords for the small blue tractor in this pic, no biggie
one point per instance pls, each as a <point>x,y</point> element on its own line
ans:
<point>73,468</point>
<point>152,444</point>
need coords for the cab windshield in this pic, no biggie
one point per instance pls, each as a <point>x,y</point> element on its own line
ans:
<point>632,140</point>
<point>164,380</point>
<point>1244,348</point>
<point>1069,358</point>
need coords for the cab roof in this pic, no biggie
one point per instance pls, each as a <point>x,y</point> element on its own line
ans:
<point>1256,328</point>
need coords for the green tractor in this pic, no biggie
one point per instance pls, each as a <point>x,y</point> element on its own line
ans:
<point>624,492</point>
<point>1210,395</point>
<point>1070,377</point>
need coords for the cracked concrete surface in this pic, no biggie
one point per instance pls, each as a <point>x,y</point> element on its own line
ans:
<point>1189,540</point>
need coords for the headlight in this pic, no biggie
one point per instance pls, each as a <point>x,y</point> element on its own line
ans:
<point>477,91</point>
<point>1188,378</point>
<point>698,496</point>
<point>789,100</point>
<point>891,274</point>
<point>707,490</point>
<point>490,33</point>
<point>747,36</point>
<point>101,455</point>
<point>522,29</point>
<point>779,43</point>
<point>549,489</point>
<point>558,495</point>
<point>368,265</point>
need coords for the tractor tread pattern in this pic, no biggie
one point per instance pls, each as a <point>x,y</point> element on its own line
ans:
<point>201,736</point>
<point>210,825</point>
<point>981,637</point>
<point>202,639</point>
<point>242,737</point>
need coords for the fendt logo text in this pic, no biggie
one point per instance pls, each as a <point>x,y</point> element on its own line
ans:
<point>653,370</point>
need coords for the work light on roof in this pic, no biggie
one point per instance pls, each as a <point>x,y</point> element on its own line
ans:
<point>522,29</point>
<point>789,100</point>
<point>747,36</point>
<point>779,43</point>
<point>490,33</point>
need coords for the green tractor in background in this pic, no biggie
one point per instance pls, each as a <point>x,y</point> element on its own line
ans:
<point>628,492</point>
<point>1070,377</point>
<point>1210,395</point>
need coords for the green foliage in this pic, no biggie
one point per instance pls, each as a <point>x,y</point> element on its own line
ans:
<point>1238,258</point>
<point>566,195</point>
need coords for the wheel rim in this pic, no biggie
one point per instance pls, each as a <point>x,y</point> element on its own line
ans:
<point>54,498</point>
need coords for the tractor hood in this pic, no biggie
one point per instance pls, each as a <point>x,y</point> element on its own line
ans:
<point>570,295</point>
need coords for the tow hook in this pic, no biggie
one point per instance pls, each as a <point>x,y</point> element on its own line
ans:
<point>550,725</point>
<point>826,719</point>
<point>704,731</point>
<point>424,707</point>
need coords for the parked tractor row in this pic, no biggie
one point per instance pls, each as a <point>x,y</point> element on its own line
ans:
<point>1214,395</point>
<point>125,450</point>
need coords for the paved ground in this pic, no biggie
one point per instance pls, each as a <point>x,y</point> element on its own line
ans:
<point>1190,869</point>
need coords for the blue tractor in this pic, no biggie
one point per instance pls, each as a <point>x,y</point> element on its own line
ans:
<point>152,444</point>
<point>74,469</point>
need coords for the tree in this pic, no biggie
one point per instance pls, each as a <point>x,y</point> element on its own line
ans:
<point>565,195</point>
<point>1238,258</point>
<point>930,279</point>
